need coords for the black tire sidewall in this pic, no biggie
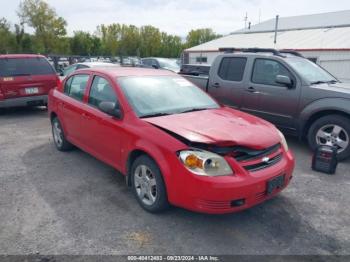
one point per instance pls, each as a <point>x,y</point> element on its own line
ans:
<point>342,121</point>
<point>161,202</point>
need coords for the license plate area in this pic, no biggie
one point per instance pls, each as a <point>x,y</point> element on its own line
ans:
<point>31,90</point>
<point>275,183</point>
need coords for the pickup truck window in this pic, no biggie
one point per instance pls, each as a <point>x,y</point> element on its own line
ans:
<point>75,86</point>
<point>101,91</point>
<point>232,68</point>
<point>266,70</point>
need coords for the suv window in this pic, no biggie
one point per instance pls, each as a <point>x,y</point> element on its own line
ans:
<point>101,91</point>
<point>75,86</point>
<point>266,70</point>
<point>25,66</point>
<point>232,68</point>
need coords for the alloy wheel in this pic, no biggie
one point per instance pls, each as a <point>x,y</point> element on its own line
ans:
<point>145,184</point>
<point>333,135</point>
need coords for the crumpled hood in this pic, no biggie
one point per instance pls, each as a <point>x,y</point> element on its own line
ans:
<point>222,127</point>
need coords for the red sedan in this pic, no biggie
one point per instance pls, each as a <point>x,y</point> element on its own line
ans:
<point>173,142</point>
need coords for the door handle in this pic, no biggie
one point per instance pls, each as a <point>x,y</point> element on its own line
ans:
<point>86,116</point>
<point>216,85</point>
<point>252,90</point>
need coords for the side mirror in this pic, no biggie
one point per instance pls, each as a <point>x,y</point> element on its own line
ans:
<point>284,80</point>
<point>110,108</point>
<point>155,66</point>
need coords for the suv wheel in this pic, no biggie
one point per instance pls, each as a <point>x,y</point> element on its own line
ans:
<point>331,130</point>
<point>148,185</point>
<point>59,138</point>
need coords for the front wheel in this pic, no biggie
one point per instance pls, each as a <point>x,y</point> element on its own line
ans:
<point>148,185</point>
<point>331,130</point>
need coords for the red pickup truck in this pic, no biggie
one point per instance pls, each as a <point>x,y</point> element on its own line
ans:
<point>173,142</point>
<point>25,80</point>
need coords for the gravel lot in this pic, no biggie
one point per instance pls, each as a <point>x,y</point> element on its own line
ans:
<point>71,203</point>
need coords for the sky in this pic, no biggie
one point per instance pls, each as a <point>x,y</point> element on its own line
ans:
<point>176,16</point>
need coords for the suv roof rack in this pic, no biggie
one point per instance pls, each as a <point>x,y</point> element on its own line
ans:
<point>261,50</point>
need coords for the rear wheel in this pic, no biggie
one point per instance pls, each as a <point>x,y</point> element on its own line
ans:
<point>331,130</point>
<point>148,185</point>
<point>59,138</point>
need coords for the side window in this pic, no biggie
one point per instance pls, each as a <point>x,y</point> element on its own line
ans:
<point>147,62</point>
<point>232,68</point>
<point>76,85</point>
<point>101,91</point>
<point>81,66</point>
<point>266,70</point>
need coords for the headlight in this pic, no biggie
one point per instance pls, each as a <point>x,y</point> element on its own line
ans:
<point>283,141</point>
<point>205,163</point>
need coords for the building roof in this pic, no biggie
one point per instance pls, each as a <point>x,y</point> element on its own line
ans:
<point>302,40</point>
<point>327,31</point>
<point>324,20</point>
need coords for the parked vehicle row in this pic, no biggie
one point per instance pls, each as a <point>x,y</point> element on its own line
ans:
<point>288,90</point>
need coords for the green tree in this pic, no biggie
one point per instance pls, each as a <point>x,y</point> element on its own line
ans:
<point>150,41</point>
<point>48,26</point>
<point>200,36</point>
<point>7,38</point>
<point>82,43</point>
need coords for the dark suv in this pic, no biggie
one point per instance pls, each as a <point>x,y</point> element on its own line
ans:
<point>25,80</point>
<point>283,87</point>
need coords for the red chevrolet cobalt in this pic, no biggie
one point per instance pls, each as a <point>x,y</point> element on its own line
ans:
<point>173,142</point>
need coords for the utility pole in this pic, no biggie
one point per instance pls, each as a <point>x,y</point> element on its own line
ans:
<point>245,20</point>
<point>276,29</point>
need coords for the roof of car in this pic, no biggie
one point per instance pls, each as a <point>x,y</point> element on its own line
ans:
<point>130,71</point>
<point>20,56</point>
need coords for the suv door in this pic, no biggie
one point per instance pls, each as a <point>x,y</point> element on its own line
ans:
<point>227,83</point>
<point>101,131</point>
<point>70,107</point>
<point>268,99</point>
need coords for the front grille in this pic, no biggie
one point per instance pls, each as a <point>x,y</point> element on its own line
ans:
<point>262,165</point>
<point>247,154</point>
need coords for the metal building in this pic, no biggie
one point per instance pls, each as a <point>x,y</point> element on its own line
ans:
<point>323,38</point>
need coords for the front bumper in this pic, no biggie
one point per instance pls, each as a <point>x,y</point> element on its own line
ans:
<point>24,101</point>
<point>228,194</point>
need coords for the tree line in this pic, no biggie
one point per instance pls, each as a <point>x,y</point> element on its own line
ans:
<point>50,36</point>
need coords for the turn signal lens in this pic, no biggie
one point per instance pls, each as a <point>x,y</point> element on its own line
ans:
<point>193,162</point>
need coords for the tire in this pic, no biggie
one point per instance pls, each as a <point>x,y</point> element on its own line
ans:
<point>59,138</point>
<point>332,130</point>
<point>148,185</point>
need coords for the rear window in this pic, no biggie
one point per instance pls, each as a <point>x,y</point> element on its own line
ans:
<point>25,66</point>
<point>232,68</point>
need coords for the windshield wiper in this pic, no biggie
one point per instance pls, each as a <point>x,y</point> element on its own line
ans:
<point>324,82</point>
<point>193,110</point>
<point>155,115</point>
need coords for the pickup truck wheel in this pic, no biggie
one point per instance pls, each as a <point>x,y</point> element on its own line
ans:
<point>148,185</point>
<point>59,138</point>
<point>331,130</point>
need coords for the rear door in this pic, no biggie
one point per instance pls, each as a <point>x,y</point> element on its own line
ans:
<point>21,77</point>
<point>226,84</point>
<point>267,99</point>
<point>71,106</point>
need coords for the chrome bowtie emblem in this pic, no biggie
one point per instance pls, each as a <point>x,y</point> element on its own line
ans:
<point>265,159</point>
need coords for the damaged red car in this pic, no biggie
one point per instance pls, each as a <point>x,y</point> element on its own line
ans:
<point>174,143</point>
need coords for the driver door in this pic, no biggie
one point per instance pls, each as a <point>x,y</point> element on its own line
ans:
<point>267,99</point>
<point>102,132</point>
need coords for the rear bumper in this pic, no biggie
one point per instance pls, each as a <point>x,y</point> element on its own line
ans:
<point>24,101</point>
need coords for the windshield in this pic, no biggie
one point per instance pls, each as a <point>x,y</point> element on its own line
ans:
<point>169,64</point>
<point>162,95</point>
<point>310,71</point>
